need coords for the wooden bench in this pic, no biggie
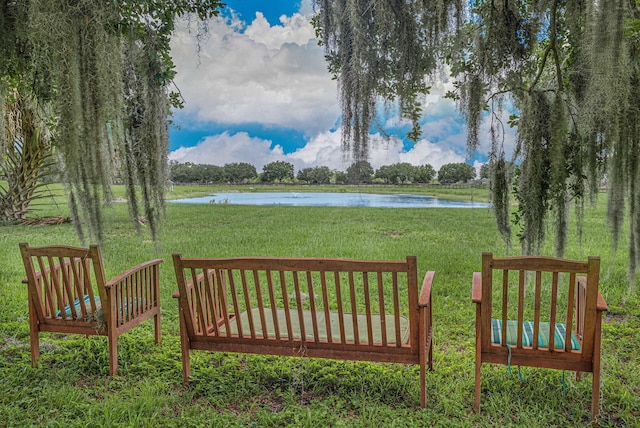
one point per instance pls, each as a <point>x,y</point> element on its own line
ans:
<point>321,308</point>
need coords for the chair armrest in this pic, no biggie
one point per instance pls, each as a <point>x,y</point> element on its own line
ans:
<point>425,293</point>
<point>476,288</point>
<point>176,295</point>
<point>131,271</point>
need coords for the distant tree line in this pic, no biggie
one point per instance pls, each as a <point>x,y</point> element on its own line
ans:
<point>360,172</point>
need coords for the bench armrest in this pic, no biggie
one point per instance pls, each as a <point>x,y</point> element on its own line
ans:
<point>601,305</point>
<point>425,293</point>
<point>131,271</point>
<point>476,288</point>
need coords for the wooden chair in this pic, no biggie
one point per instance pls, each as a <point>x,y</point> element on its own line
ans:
<point>68,293</point>
<point>537,298</point>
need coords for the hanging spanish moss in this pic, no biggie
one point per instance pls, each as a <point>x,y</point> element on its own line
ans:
<point>145,149</point>
<point>569,67</point>
<point>87,60</point>
<point>380,49</point>
<point>106,67</point>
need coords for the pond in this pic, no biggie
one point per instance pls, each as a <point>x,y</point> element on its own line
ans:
<point>329,199</point>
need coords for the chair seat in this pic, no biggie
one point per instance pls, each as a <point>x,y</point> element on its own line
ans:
<point>127,309</point>
<point>527,334</point>
<point>78,309</point>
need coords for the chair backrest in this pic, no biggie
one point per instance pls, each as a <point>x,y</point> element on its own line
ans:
<point>540,293</point>
<point>65,283</point>
<point>343,302</point>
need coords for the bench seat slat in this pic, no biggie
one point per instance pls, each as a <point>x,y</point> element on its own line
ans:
<point>320,320</point>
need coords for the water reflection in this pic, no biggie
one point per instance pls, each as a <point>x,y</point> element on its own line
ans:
<point>328,199</point>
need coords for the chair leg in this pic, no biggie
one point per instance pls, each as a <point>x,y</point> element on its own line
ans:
<point>113,354</point>
<point>184,348</point>
<point>478,360</point>
<point>595,390</point>
<point>477,388</point>
<point>34,335</point>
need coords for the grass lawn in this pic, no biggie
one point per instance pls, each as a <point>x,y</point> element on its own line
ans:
<point>71,387</point>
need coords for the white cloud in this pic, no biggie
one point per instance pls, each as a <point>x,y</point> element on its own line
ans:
<point>225,148</point>
<point>275,76</point>
<point>272,75</point>
<point>306,8</point>
<point>323,150</point>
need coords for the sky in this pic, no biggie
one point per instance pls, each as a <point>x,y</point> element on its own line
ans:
<point>256,89</point>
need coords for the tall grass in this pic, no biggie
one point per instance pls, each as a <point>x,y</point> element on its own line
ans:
<point>71,386</point>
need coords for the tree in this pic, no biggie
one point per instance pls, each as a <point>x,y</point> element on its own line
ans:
<point>340,177</point>
<point>238,172</point>
<point>28,154</point>
<point>359,172</point>
<point>455,173</point>
<point>425,173</point>
<point>213,174</point>
<point>484,171</point>
<point>315,175</point>
<point>397,173</point>
<point>277,172</point>
<point>385,173</point>
<point>196,173</point>
<point>106,69</point>
<point>570,69</point>
<point>405,172</point>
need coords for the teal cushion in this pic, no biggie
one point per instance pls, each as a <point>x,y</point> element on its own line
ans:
<point>76,305</point>
<point>527,334</point>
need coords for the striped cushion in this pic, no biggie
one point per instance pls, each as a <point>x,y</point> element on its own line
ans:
<point>527,334</point>
<point>76,305</point>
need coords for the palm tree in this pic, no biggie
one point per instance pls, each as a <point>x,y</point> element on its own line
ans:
<point>27,153</point>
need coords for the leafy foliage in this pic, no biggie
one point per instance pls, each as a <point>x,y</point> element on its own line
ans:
<point>106,68</point>
<point>26,144</point>
<point>424,173</point>
<point>359,172</point>
<point>570,69</point>
<point>238,172</point>
<point>277,171</point>
<point>381,49</point>
<point>315,175</point>
<point>456,172</point>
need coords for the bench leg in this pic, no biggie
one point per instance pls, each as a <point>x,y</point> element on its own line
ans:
<point>431,350</point>
<point>423,386</point>
<point>158,335</point>
<point>425,352</point>
<point>595,387</point>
